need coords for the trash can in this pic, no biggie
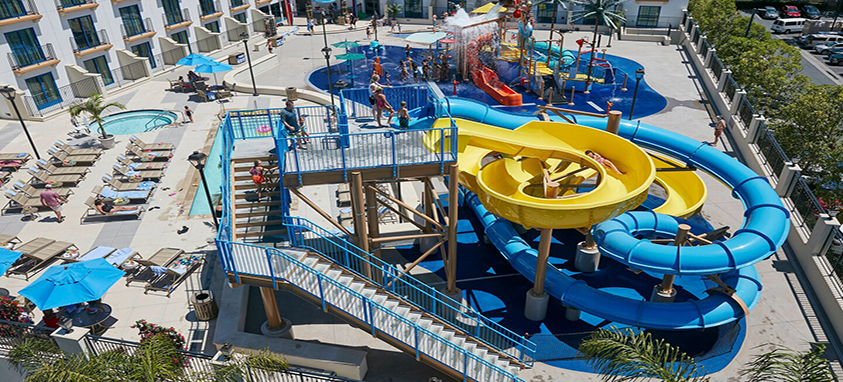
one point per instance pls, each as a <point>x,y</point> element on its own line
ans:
<point>292,93</point>
<point>204,305</point>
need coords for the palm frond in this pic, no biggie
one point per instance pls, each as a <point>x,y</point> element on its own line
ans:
<point>31,353</point>
<point>626,356</point>
<point>783,364</point>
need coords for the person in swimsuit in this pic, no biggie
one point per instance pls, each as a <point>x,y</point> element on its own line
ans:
<point>382,104</point>
<point>605,162</point>
<point>258,173</point>
<point>108,209</point>
<point>403,117</point>
<point>718,130</point>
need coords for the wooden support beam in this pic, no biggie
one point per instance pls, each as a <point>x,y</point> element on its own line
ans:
<point>407,207</point>
<point>679,240</point>
<point>407,237</point>
<point>372,219</point>
<point>270,305</point>
<point>551,190</point>
<point>614,122</point>
<point>322,213</point>
<point>358,212</point>
<point>393,209</point>
<point>453,208</point>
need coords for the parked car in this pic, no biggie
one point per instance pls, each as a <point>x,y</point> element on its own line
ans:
<point>811,12</point>
<point>789,11</point>
<point>788,25</point>
<point>814,40</point>
<point>835,58</point>
<point>769,13</point>
<point>829,48</point>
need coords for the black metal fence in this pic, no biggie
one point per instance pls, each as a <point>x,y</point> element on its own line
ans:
<point>745,112</point>
<point>135,27</point>
<point>770,150</point>
<point>89,40</point>
<point>42,103</point>
<point>730,88</point>
<point>21,57</point>
<point>704,48</point>
<point>208,7</point>
<point>127,74</point>
<point>717,68</point>
<point>61,4</point>
<point>13,333</point>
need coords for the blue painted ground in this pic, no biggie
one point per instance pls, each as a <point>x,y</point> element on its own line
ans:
<point>495,289</point>
<point>648,101</point>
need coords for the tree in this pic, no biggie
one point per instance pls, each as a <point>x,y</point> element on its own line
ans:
<point>603,11</point>
<point>555,4</point>
<point>393,10</point>
<point>620,355</point>
<point>786,365</point>
<point>95,106</point>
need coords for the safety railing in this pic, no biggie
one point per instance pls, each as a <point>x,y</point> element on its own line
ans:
<point>357,100</point>
<point>208,7</point>
<point>17,8</point>
<point>834,255</point>
<point>89,40</point>
<point>135,27</point>
<point>305,234</point>
<point>247,259</point>
<point>717,68</point>
<point>771,151</point>
<point>45,102</point>
<point>730,88</point>
<point>13,333</point>
<point>127,74</point>
<point>24,56</point>
<point>177,17</point>
<point>695,35</point>
<point>745,111</point>
<point>704,48</point>
<point>806,204</point>
<point>62,4</point>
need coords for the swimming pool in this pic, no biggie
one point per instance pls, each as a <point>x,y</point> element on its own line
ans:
<point>136,121</point>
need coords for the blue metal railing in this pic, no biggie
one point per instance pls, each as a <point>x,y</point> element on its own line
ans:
<point>357,102</point>
<point>247,259</point>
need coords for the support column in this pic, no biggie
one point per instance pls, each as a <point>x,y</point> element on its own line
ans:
<point>453,208</point>
<point>736,101</point>
<point>372,219</point>
<point>614,121</point>
<point>535,308</point>
<point>787,179</point>
<point>754,126</point>
<point>665,292</point>
<point>709,56</point>
<point>822,234</point>
<point>724,77</point>
<point>73,342</point>
<point>700,44</point>
<point>275,326</point>
<point>358,210</point>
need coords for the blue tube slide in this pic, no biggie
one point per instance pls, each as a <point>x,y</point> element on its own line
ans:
<point>715,310</point>
<point>567,56</point>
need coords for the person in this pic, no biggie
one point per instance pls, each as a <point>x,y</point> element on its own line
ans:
<point>310,26</point>
<point>382,104</point>
<point>303,130</point>
<point>404,73</point>
<point>434,23</point>
<point>291,124</point>
<point>605,162</point>
<point>258,173</point>
<point>368,33</point>
<point>407,50</point>
<point>718,130</point>
<point>374,86</point>
<point>183,85</point>
<point>269,45</point>
<point>386,77</point>
<point>188,113</point>
<point>108,209</point>
<point>403,117</point>
<point>51,198</point>
<point>399,27</point>
<point>51,320</point>
<point>392,28</point>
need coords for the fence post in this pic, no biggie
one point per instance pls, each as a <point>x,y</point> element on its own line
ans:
<point>701,43</point>
<point>724,76</point>
<point>822,234</point>
<point>754,127</point>
<point>709,57</point>
<point>688,25</point>
<point>736,102</point>
<point>73,342</point>
<point>787,179</point>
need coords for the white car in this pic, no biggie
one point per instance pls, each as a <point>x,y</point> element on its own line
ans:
<point>829,48</point>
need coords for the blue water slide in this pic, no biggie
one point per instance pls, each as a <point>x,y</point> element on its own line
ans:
<point>420,118</point>
<point>567,56</point>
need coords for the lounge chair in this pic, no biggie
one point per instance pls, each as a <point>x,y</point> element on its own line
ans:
<point>76,150</point>
<point>152,156</point>
<point>23,157</point>
<point>173,273</point>
<point>66,159</point>
<point>40,177</point>
<point>143,175</point>
<point>68,170</point>
<point>36,253</point>
<point>140,165</point>
<point>33,192</point>
<point>151,146</point>
<point>8,241</point>
<point>205,96</point>
<point>119,185</point>
<point>134,197</point>
<point>19,200</point>
<point>161,258</point>
<point>92,212</point>
<point>11,164</point>
<point>116,257</point>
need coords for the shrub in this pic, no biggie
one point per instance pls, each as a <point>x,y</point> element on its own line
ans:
<point>148,330</point>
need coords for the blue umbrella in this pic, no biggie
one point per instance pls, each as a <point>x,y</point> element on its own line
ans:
<point>69,284</point>
<point>194,59</point>
<point>7,258</point>
<point>213,67</point>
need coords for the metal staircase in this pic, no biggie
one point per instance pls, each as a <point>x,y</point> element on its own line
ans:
<point>255,221</point>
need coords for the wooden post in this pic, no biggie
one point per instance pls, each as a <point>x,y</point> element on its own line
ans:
<point>270,305</point>
<point>372,219</point>
<point>358,209</point>
<point>571,101</point>
<point>428,205</point>
<point>614,122</point>
<point>551,191</point>
<point>681,236</point>
<point>453,207</point>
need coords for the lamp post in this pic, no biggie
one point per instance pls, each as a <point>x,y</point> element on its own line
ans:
<point>245,37</point>
<point>327,52</point>
<point>9,93</point>
<point>639,74</point>
<point>749,26</point>
<point>197,159</point>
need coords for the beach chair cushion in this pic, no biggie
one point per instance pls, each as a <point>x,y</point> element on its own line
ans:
<point>118,257</point>
<point>98,252</point>
<point>111,194</point>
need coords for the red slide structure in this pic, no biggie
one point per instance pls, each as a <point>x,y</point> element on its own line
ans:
<point>486,78</point>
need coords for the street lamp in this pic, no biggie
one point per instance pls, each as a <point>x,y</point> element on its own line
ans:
<point>327,52</point>
<point>245,37</point>
<point>749,26</point>
<point>197,159</point>
<point>10,93</point>
<point>639,74</point>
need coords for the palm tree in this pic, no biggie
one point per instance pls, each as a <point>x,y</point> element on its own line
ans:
<point>555,4</point>
<point>253,367</point>
<point>603,11</point>
<point>786,365</point>
<point>393,10</point>
<point>95,106</point>
<point>626,356</point>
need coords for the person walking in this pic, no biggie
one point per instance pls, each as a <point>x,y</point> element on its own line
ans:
<point>718,130</point>
<point>269,45</point>
<point>382,104</point>
<point>373,88</point>
<point>310,26</point>
<point>52,199</point>
<point>291,124</point>
<point>188,113</point>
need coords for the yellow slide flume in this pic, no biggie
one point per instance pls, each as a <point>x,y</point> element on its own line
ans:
<point>685,190</point>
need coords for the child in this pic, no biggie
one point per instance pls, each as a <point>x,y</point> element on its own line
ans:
<point>188,113</point>
<point>404,74</point>
<point>386,77</point>
<point>303,131</point>
<point>403,117</point>
<point>407,50</point>
<point>269,45</point>
<point>399,27</point>
<point>368,33</point>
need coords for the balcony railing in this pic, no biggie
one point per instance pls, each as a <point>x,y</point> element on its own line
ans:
<point>237,3</point>
<point>101,38</point>
<point>17,8</point>
<point>62,4</point>
<point>173,18</point>
<point>136,27</point>
<point>22,57</point>
<point>213,7</point>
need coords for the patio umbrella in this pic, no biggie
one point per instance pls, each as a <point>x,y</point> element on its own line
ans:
<point>7,258</point>
<point>213,67</point>
<point>426,37</point>
<point>351,57</point>
<point>69,284</point>
<point>346,44</point>
<point>194,59</point>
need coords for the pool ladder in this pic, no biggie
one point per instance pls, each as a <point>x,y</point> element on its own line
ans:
<point>145,127</point>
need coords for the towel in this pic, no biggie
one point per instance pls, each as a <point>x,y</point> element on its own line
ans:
<point>147,185</point>
<point>158,271</point>
<point>111,194</point>
<point>96,253</point>
<point>21,155</point>
<point>119,256</point>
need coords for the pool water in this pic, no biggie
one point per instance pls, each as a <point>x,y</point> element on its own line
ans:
<point>213,174</point>
<point>136,121</point>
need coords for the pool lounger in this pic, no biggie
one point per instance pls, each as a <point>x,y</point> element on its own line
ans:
<point>8,241</point>
<point>65,170</point>
<point>161,258</point>
<point>22,157</point>
<point>41,177</point>
<point>137,152</point>
<point>92,212</point>
<point>19,200</point>
<point>76,150</point>
<point>140,165</point>
<point>119,185</point>
<point>36,253</point>
<point>151,146</point>
<point>33,192</point>
<point>143,175</point>
<point>170,276</point>
<point>115,257</point>
<point>62,157</point>
<point>135,196</point>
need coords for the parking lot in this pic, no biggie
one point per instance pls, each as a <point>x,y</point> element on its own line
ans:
<point>814,65</point>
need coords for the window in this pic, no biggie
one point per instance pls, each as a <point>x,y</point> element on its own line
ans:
<point>144,50</point>
<point>25,47</point>
<point>213,26</point>
<point>648,16</point>
<point>236,3</point>
<point>100,65</point>
<point>84,34</point>
<point>70,3</point>
<point>44,90</point>
<point>275,10</point>
<point>181,38</point>
<point>544,13</point>
<point>172,11</point>
<point>11,8</point>
<point>132,22</point>
<point>241,17</point>
<point>413,9</point>
<point>207,7</point>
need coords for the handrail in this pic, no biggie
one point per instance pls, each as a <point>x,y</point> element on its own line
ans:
<point>155,118</point>
<point>422,295</point>
<point>368,309</point>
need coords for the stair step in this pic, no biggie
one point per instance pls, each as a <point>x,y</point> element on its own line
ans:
<point>251,185</point>
<point>402,310</point>
<point>425,322</point>
<point>334,274</point>
<point>413,316</point>
<point>322,267</point>
<point>469,346</point>
<point>310,261</point>
<point>261,233</point>
<point>369,292</point>
<point>258,223</point>
<point>357,286</point>
<point>240,215</point>
<point>255,194</point>
<point>243,205</point>
<point>379,298</point>
<point>346,280</point>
